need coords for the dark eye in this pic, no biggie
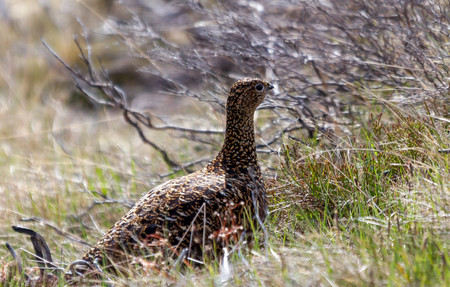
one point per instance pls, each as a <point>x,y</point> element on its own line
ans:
<point>259,87</point>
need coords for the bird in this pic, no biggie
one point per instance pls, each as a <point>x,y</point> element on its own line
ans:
<point>188,213</point>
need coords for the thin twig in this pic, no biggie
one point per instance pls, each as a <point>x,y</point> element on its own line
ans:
<point>59,231</point>
<point>255,193</point>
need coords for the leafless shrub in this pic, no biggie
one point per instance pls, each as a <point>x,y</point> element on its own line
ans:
<point>325,57</point>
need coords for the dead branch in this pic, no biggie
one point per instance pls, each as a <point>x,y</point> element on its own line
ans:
<point>42,252</point>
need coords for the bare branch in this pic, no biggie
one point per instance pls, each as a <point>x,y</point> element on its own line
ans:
<point>43,255</point>
<point>59,231</point>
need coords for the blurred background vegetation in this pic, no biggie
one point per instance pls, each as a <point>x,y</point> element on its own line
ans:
<point>353,141</point>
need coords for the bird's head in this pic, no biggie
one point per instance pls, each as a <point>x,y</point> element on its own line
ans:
<point>247,94</point>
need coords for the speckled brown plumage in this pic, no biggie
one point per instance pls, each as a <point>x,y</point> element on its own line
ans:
<point>188,210</point>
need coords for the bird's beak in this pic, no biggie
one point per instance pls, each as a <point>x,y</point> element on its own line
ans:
<point>270,87</point>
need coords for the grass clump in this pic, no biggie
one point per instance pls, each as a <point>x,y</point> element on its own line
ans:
<point>382,197</point>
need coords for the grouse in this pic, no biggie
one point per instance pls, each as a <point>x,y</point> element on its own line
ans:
<point>188,212</point>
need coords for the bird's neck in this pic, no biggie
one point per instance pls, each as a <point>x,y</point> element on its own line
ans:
<point>238,153</point>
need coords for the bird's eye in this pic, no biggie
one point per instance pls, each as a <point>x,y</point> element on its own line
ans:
<point>259,87</point>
